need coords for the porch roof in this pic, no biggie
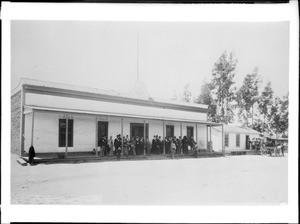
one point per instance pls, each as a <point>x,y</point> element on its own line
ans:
<point>88,112</point>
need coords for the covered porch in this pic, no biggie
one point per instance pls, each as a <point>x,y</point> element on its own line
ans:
<point>122,124</point>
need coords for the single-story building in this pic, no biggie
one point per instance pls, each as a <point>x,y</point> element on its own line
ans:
<point>60,118</point>
<point>236,138</point>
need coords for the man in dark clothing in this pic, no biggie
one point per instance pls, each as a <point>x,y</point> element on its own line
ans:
<point>117,144</point>
<point>31,153</point>
<point>185,145</point>
<point>179,143</point>
<point>159,145</point>
<point>167,145</point>
<point>154,142</point>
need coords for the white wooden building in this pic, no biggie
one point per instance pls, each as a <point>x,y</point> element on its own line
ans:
<point>235,138</point>
<point>43,112</point>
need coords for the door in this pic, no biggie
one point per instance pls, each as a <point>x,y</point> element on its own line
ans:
<point>137,130</point>
<point>169,131</point>
<point>247,142</point>
<point>189,132</point>
<point>102,130</point>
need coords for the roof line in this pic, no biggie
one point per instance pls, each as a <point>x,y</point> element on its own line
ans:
<point>63,110</point>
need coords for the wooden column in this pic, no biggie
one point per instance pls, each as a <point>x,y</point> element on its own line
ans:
<point>32,128</point>
<point>144,137</point>
<point>181,150</point>
<point>96,136</point>
<point>207,137</point>
<point>122,134</point>
<point>210,148</point>
<point>223,148</point>
<point>196,133</point>
<point>67,136</point>
<point>164,150</point>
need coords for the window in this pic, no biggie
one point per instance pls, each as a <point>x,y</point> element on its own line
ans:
<point>62,133</point>
<point>189,132</point>
<point>237,140</point>
<point>169,131</point>
<point>226,140</point>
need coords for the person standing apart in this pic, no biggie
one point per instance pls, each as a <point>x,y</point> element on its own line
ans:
<point>110,145</point>
<point>173,148</point>
<point>31,155</point>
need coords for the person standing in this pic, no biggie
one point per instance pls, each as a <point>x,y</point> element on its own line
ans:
<point>125,146</point>
<point>147,145</point>
<point>133,146</point>
<point>185,145</point>
<point>172,148</point>
<point>179,143</point>
<point>110,145</point>
<point>153,148</point>
<point>31,155</point>
<point>159,145</point>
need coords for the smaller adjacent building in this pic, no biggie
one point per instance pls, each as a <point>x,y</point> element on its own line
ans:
<point>236,138</point>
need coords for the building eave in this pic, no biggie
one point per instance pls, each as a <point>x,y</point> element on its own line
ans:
<point>108,98</point>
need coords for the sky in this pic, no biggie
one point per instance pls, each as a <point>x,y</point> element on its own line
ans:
<point>163,55</point>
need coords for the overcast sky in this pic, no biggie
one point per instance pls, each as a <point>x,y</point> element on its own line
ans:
<point>104,54</point>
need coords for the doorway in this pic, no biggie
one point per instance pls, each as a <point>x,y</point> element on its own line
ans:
<point>169,131</point>
<point>102,130</point>
<point>137,130</point>
<point>247,142</point>
<point>189,132</point>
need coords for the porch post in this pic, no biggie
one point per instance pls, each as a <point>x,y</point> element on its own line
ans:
<point>67,136</point>
<point>223,149</point>
<point>196,133</point>
<point>122,134</point>
<point>181,138</point>
<point>32,128</point>
<point>96,136</point>
<point>164,152</point>
<point>144,137</point>
<point>207,137</point>
<point>210,148</point>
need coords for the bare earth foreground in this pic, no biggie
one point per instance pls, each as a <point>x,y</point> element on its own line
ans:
<point>236,180</point>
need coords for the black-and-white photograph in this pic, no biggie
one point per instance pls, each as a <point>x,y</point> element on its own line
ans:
<point>168,113</point>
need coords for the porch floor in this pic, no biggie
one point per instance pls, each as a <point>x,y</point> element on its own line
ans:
<point>90,157</point>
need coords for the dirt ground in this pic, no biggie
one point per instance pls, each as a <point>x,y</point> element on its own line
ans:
<point>234,180</point>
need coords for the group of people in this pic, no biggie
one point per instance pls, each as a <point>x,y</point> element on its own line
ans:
<point>269,147</point>
<point>138,146</point>
<point>181,145</point>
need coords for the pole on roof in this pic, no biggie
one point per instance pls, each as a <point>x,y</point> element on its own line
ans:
<point>122,134</point>
<point>96,135</point>
<point>144,137</point>
<point>67,136</point>
<point>137,53</point>
<point>223,148</point>
<point>164,152</point>
<point>32,128</point>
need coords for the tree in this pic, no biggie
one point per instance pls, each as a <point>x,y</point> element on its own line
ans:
<point>222,82</point>
<point>279,115</point>
<point>265,103</point>
<point>247,96</point>
<point>187,95</point>
<point>205,97</point>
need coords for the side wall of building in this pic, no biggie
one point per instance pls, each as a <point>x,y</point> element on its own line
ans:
<point>15,133</point>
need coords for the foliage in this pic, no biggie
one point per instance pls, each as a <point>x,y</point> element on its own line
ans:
<point>223,90</point>
<point>187,95</point>
<point>247,96</point>
<point>279,115</point>
<point>205,97</point>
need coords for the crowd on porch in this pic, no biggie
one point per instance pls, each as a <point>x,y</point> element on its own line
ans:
<point>140,146</point>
